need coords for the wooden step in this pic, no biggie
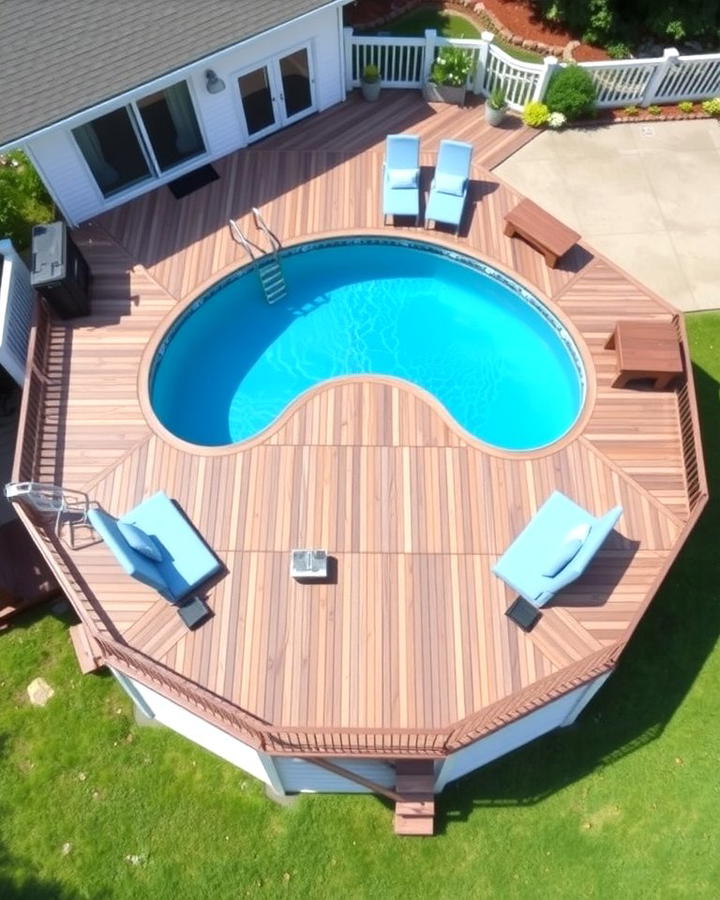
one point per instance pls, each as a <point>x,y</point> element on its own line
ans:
<point>416,807</point>
<point>86,649</point>
<point>421,826</point>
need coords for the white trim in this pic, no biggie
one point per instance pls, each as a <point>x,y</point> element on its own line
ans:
<point>27,150</point>
<point>162,81</point>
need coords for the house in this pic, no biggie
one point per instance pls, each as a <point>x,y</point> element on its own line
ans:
<point>402,673</point>
<point>112,100</point>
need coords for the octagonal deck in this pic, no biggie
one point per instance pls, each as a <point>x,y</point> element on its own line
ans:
<point>412,638</point>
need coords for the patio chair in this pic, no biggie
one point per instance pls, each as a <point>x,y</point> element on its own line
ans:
<point>156,544</point>
<point>63,504</point>
<point>551,552</point>
<point>401,176</point>
<point>448,191</point>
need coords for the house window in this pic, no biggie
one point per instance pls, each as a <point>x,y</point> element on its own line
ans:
<point>112,150</point>
<point>171,125</point>
<point>140,141</point>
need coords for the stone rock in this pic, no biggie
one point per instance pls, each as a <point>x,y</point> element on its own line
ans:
<point>39,692</point>
<point>567,51</point>
<point>517,40</point>
<point>479,8</point>
<point>529,45</point>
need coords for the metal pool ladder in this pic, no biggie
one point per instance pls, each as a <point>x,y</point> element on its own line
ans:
<point>267,263</point>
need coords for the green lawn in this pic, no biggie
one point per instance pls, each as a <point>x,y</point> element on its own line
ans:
<point>622,805</point>
<point>449,25</point>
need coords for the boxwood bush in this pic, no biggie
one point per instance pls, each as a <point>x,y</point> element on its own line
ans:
<point>571,91</point>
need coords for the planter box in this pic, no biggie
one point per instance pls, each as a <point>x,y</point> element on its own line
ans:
<point>443,93</point>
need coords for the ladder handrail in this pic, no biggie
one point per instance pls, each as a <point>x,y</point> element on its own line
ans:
<point>262,225</point>
<point>240,237</point>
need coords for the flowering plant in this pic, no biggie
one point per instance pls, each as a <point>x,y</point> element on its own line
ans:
<point>451,67</point>
<point>556,120</point>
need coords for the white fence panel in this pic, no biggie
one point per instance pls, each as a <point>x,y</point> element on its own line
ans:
<point>16,304</point>
<point>400,60</point>
<point>622,83</point>
<point>693,78</point>
<point>519,79</point>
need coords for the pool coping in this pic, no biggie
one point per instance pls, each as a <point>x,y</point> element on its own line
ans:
<point>171,320</point>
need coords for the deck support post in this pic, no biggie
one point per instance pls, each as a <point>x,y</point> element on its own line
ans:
<point>670,58</point>
<point>347,53</point>
<point>428,53</point>
<point>549,68</point>
<point>487,37</point>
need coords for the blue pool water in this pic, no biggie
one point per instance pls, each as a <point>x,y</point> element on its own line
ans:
<point>495,357</point>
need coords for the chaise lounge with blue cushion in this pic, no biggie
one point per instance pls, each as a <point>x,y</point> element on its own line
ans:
<point>552,551</point>
<point>158,546</point>
<point>401,176</point>
<point>448,191</point>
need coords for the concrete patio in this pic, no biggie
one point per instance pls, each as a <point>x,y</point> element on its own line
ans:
<point>644,194</point>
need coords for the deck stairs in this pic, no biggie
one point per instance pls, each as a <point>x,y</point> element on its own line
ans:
<point>267,263</point>
<point>415,806</point>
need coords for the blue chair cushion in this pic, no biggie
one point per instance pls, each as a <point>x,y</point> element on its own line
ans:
<point>562,556</point>
<point>187,561</point>
<point>139,541</point>
<point>447,183</point>
<point>402,178</point>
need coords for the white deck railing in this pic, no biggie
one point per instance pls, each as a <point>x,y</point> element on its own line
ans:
<point>16,301</point>
<point>406,63</point>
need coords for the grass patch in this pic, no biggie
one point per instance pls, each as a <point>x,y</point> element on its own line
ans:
<point>623,804</point>
<point>449,25</point>
<point>24,202</point>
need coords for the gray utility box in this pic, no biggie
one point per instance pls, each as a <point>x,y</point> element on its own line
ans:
<point>59,272</point>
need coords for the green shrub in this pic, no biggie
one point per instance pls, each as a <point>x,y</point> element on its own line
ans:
<point>535,114</point>
<point>370,74</point>
<point>631,110</point>
<point>451,67</point>
<point>23,199</point>
<point>712,107</point>
<point>571,92</point>
<point>497,100</point>
<point>619,50</point>
<point>686,106</point>
<point>654,110</point>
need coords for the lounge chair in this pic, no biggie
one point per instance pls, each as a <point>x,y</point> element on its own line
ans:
<point>448,191</point>
<point>401,176</point>
<point>552,551</point>
<point>161,549</point>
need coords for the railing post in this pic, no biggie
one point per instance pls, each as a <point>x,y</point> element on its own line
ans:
<point>549,68</point>
<point>670,58</point>
<point>428,53</point>
<point>347,35</point>
<point>486,38</point>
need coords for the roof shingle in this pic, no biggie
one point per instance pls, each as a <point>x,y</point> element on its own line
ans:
<point>64,56</point>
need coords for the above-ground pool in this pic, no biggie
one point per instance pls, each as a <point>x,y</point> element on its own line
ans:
<point>492,354</point>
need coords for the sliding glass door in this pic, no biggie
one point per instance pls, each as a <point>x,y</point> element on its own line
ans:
<point>277,93</point>
<point>142,140</point>
<point>171,125</point>
<point>113,152</point>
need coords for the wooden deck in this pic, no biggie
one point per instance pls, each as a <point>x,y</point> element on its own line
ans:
<point>412,638</point>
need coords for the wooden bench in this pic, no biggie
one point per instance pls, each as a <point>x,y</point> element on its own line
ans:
<point>539,228</point>
<point>646,350</point>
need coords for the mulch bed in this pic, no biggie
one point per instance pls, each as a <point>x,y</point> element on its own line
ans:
<point>517,21</point>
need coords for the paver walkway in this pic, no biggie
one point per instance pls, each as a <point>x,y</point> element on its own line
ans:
<point>645,194</point>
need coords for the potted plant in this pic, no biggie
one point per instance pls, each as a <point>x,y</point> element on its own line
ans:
<point>495,105</point>
<point>370,82</point>
<point>448,77</point>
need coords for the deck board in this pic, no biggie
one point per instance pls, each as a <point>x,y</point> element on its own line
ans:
<point>414,511</point>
